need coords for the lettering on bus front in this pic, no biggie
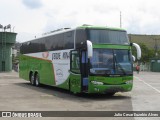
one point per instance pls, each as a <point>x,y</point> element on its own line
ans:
<point>66,55</point>
<point>56,56</point>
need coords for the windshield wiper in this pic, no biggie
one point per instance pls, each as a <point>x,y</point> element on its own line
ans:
<point>119,65</point>
<point>121,68</point>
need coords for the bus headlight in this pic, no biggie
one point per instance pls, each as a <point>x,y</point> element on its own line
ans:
<point>129,82</point>
<point>97,83</point>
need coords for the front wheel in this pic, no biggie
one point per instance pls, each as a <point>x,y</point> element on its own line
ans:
<point>110,93</point>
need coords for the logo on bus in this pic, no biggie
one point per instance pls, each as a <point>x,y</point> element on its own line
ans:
<point>45,54</point>
<point>59,73</point>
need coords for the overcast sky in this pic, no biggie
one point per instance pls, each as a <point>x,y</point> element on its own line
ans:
<point>31,18</point>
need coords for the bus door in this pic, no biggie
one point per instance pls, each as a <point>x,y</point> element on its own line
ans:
<point>75,73</point>
<point>84,71</point>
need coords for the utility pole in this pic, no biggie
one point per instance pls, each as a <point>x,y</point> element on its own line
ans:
<point>120,20</point>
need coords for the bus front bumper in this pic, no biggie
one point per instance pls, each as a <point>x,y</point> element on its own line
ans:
<point>109,88</point>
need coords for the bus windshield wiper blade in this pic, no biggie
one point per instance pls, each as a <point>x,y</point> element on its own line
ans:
<point>121,68</point>
<point>119,65</point>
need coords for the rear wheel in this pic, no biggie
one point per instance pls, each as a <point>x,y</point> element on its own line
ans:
<point>37,80</point>
<point>32,81</point>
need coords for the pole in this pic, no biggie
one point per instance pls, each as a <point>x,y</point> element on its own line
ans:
<point>120,20</point>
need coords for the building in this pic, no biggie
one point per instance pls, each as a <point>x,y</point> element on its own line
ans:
<point>155,65</point>
<point>7,40</point>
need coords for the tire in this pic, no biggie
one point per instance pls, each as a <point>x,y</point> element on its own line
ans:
<point>110,93</point>
<point>32,81</point>
<point>37,83</point>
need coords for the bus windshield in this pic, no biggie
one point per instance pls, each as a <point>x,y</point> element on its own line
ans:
<point>108,36</point>
<point>111,62</point>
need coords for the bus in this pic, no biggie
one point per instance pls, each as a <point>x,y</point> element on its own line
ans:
<point>86,59</point>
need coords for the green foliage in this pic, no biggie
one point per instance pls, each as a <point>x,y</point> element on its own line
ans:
<point>147,53</point>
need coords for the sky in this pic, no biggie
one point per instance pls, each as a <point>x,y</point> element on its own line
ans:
<point>30,18</point>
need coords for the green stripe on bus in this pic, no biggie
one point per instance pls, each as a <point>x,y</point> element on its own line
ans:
<point>111,46</point>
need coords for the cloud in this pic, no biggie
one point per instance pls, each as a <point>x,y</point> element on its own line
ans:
<point>24,36</point>
<point>74,14</point>
<point>135,17</point>
<point>138,16</point>
<point>32,4</point>
<point>59,21</point>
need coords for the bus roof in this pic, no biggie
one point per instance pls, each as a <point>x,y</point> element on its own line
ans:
<point>100,27</point>
<point>79,27</point>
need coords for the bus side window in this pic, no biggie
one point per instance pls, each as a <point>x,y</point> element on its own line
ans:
<point>75,62</point>
<point>69,40</point>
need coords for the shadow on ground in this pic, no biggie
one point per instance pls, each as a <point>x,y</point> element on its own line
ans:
<point>65,94</point>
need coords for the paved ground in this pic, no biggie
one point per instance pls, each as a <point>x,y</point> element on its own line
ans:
<point>18,95</point>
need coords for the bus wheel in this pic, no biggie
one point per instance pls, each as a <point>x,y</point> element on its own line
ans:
<point>32,79</point>
<point>37,80</point>
<point>110,93</point>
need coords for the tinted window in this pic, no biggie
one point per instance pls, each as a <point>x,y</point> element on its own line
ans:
<point>123,61</point>
<point>80,38</point>
<point>108,61</point>
<point>55,42</point>
<point>102,61</point>
<point>108,36</point>
<point>69,40</point>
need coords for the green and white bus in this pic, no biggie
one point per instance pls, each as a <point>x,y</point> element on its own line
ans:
<point>87,59</point>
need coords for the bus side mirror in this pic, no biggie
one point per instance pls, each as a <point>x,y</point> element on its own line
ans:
<point>89,49</point>
<point>133,57</point>
<point>138,50</point>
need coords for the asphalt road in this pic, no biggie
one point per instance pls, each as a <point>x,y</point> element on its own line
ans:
<point>18,95</point>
